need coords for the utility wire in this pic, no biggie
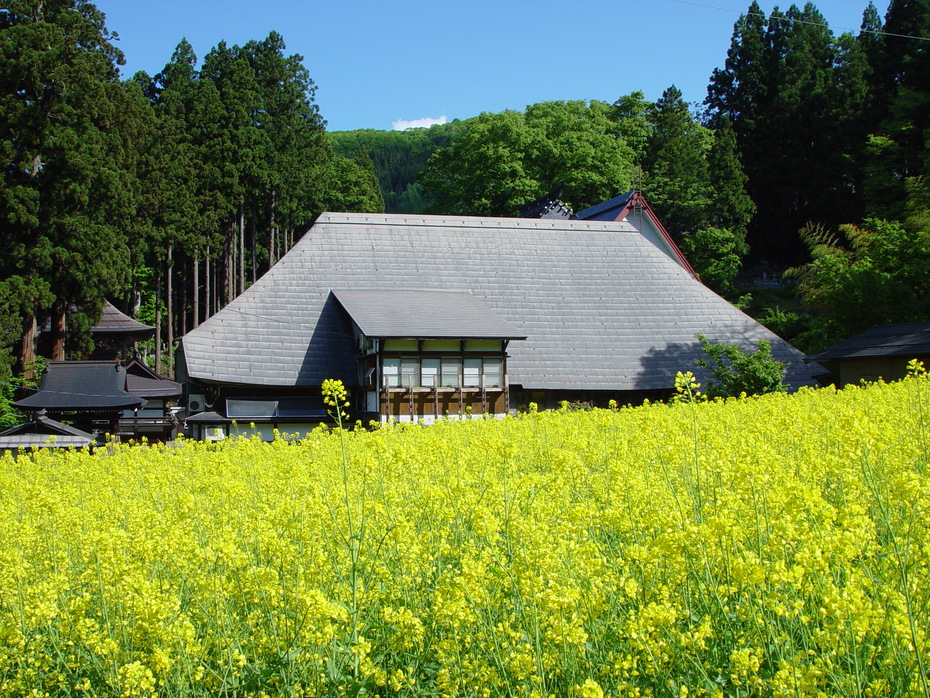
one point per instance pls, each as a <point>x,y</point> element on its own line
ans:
<point>876,32</point>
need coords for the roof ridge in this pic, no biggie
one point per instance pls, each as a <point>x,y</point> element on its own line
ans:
<point>500,222</point>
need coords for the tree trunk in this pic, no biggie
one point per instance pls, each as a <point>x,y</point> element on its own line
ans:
<point>158,321</point>
<point>58,331</point>
<point>229,256</point>
<point>254,243</point>
<point>169,264</point>
<point>135,299</point>
<point>28,349</point>
<point>208,309</point>
<point>241,245</point>
<point>271,233</point>
<point>182,316</point>
<point>195,304</point>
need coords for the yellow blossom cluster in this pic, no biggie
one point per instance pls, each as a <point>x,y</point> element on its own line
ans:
<point>768,546</point>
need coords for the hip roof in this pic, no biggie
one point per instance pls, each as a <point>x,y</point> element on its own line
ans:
<point>600,306</point>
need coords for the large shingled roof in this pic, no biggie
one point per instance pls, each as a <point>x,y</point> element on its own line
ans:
<point>601,307</point>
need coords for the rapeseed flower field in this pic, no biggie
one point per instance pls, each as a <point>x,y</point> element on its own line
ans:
<point>772,546</point>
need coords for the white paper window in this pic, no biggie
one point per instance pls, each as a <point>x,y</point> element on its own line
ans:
<point>392,371</point>
<point>493,373</point>
<point>409,372</point>
<point>451,367</point>
<point>430,372</point>
<point>471,377</point>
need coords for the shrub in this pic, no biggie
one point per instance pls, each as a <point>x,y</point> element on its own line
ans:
<point>736,371</point>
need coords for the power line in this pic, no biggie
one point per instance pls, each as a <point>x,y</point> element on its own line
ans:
<point>876,32</point>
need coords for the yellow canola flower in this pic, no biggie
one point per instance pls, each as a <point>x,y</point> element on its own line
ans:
<point>771,546</point>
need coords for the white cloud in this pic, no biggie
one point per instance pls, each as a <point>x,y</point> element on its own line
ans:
<point>402,125</point>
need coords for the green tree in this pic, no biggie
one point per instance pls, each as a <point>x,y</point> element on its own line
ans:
<point>574,143</point>
<point>675,178</point>
<point>717,247</point>
<point>898,148</point>
<point>730,206</point>
<point>693,178</point>
<point>798,98</point>
<point>715,255</point>
<point>507,159</point>
<point>353,185</point>
<point>632,115</point>
<point>237,162</point>
<point>740,90</point>
<point>865,276</point>
<point>735,371</point>
<point>64,190</point>
<point>398,157</point>
<point>486,172</point>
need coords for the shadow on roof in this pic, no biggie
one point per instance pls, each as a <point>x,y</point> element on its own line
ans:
<point>332,350</point>
<point>662,365</point>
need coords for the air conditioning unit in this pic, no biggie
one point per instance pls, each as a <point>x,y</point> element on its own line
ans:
<point>196,402</point>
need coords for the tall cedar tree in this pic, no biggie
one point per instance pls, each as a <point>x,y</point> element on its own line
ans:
<point>796,96</point>
<point>693,179</point>
<point>731,207</point>
<point>675,178</point>
<point>717,246</point>
<point>64,190</point>
<point>899,148</point>
<point>244,167</point>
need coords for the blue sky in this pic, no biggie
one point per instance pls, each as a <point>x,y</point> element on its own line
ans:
<point>377,63</point>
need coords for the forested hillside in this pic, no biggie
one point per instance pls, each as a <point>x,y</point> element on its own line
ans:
<point>398,157</point>
<point>170,193</point>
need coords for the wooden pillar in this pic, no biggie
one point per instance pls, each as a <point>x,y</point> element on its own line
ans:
<point>384,398</point>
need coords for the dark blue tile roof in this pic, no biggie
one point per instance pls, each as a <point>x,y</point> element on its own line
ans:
<point>909,341</point>
<point>81,386</point>
<point>600,212</point>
